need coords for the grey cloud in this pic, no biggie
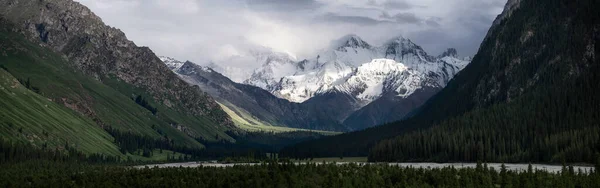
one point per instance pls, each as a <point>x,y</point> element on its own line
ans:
<point>397,5</point>
<point>433,21</point>
<point>283,5</point>
<point>393,4</point>
<point>372,2</point>
<point>202,30</point>
<point>471,30</point>
<point>436,41</point>
<point>408,18</point>
<point>385,15</point>
<point>359,9</point>
<point>359,20</point>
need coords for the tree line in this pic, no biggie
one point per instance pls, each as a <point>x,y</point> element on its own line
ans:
<point>140,100</point>
<point>16,152</point>
<point>43,174</point>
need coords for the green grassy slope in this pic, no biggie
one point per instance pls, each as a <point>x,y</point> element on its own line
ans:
<point>28,117</point>
<point>110,104</point>
<point>245,121</point>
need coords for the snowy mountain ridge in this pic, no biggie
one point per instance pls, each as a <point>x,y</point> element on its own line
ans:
<point>399,75</point>
<point>359,69</point>
<point>172,63</point>
<point>372,79</point>
<point>275,67</point>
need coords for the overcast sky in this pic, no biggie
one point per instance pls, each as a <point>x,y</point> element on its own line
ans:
<point>203,30</point>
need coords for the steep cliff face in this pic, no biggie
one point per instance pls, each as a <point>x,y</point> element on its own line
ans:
<point>509,8</point>
<point>104,52</point>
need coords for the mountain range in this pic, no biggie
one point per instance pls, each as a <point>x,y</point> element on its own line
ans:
<point>72,85</point>
<point>353,85</point>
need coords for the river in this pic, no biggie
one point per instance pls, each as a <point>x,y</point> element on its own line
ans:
<point>496,166</point>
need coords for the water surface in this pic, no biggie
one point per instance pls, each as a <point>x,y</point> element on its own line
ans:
<point>496,166</point>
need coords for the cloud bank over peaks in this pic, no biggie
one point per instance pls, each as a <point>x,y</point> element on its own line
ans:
<point>209,30</point>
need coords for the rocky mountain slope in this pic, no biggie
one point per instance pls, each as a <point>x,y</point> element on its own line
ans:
<point>72,102</point>
<point>101,51</point>
<point>241,98</point>
<point>118,67</point>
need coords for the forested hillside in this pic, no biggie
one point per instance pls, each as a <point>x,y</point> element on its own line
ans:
<point>530,94</point>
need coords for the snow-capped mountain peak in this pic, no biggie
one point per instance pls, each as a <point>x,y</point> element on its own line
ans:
<point>176,65</point>
<point>450,52</point>
<point>401,42</point>
<point>382,66</point>
<point>190,68</point>
<point>352,73</point>
<point>172,63</point>
<point>350,41</point>
<point>236,74</point>
<point>371,80</point>
<point>275,66</point>
<point>359,70</point>
<point>350,49</point>
<point>354,67</point>
<point>305,84</point>
<point>404,50</point>
<point>399,39</point>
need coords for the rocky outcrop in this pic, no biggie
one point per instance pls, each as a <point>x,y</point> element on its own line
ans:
<point>509,8</point>
<point>104,52</point>
<point>450,52</point>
